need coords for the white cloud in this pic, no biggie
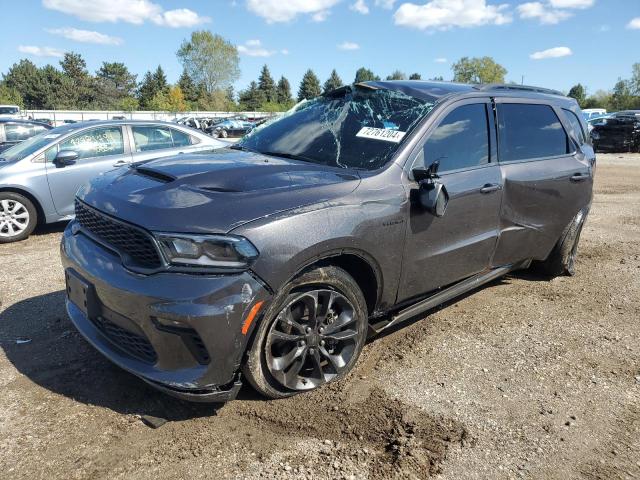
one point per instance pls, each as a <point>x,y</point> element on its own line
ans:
<point>446,14</point>
<point>634,24</point>
<point>41,51</point>
<point>360,6</point>
<point>440,60</point>
<point>254,48</point>
<point>284,51</point>
<point>386,4</point>
<point>286,10</point>
<point>349,46</point>
<point>131,11</point>
<point>555,52</point>
<point>544,13</point>
<point>572,3</point>
<point>85,36</point>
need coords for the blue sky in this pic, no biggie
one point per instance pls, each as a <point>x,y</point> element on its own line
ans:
<point>552,43</point>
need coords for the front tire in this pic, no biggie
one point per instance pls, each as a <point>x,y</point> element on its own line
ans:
<point>18,217</point>
<point>312,334</point>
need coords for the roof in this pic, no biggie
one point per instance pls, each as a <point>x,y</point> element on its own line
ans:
<point>22,120</point>
<point>433,91</point>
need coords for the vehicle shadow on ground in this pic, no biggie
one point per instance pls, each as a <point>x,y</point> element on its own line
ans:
<point>44,346</point>
<point>41,342</point>
<point>50,228</point>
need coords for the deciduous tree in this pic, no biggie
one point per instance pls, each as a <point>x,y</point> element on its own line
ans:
<point>478,70</point>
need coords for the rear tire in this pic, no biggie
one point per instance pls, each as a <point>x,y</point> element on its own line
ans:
<point>18,217</point>
<point>561,260</point>
<point>294,350</point>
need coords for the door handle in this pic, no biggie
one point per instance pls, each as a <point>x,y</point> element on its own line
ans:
<point>580,177</point>
<point>490,187</point>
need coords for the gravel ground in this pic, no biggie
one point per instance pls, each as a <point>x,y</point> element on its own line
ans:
<point>524,378</point>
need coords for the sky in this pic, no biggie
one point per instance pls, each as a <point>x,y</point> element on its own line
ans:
<point>551,43</point>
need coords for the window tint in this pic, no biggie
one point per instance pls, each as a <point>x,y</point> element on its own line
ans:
<point>180,139</point>
<point>95,143</point>
<point>148,138</point>
<point>529,131</point>
<point>576,125</point>
<point>460,141</point>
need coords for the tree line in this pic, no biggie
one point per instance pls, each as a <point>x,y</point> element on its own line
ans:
<point>211,66</point>
<point>624,96</point>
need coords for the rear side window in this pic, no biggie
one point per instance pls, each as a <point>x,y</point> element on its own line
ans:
<point>18,132</point>
<point>576,125</point>
<point>461,140</point>
<point>529,131</point>
<point>180,139</point>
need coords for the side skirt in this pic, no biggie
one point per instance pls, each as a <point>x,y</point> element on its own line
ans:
<point>441,297</point>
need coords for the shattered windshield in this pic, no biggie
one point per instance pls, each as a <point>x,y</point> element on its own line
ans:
<point>352,127</point>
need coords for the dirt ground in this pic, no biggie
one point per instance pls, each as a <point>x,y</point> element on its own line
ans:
<point>525,378</point>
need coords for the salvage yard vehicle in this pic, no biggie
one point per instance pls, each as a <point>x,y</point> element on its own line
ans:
<point>617,133</point>
<point>274,259</point>
<point>40,176</point>
<point>14,131</point>
<point>230,127</point>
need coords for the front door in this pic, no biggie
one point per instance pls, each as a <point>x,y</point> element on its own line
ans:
<point>100,149</point>
<point>440,251</point>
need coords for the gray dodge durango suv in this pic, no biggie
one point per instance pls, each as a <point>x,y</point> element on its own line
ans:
<point>274,259</point>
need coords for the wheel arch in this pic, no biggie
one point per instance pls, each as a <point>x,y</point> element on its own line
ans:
<point>32,198</point>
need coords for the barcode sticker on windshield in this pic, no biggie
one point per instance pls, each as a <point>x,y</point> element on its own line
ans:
<point>381,134</point>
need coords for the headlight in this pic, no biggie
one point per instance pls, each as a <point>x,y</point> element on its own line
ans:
<point>216,251</point>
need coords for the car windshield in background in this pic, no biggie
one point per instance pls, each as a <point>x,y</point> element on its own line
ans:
<point>29,146</point>
<point>352,127</point>
<point>8,110</point>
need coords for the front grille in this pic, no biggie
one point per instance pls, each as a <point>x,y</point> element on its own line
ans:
<point>135,244</point>
<point>135,345</point>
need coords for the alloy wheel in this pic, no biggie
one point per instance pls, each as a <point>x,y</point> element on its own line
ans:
<point>312,340</point>
<point>14,218</point>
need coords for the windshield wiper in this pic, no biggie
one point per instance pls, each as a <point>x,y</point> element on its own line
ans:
<point>291,156</point>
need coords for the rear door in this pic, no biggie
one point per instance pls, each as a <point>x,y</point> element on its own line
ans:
<point>100,149</point>
<point>547,177</point>
<point>442,250</point>
<point>155,141</point>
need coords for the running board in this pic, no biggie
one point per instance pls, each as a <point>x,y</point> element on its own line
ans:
<point>442,297</point>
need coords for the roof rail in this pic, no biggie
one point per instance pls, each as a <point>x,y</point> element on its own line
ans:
<point>521,88</point>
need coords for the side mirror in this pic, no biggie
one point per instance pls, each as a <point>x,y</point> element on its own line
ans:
<point>432,195</point>
<point>66,157</point>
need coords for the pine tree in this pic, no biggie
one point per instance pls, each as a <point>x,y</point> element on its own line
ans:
<point>397,75</point>
<point>309,86</point>
<point>188,87</point>
<point>252,98</point>
<point>283,92</point>
<point>152,84</point>
<point>415,76</point>
<point>365,75</point>
<point>334,81</point>
<point>266,85</point>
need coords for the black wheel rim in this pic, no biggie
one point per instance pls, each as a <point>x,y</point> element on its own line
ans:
<point>312,340</point>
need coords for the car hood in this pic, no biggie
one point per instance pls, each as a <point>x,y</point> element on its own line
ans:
<point>213,192</point>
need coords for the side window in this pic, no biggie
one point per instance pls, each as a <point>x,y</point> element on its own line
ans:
<point>576,125</point>
<point>461,140</point>
<point>527,131</point>
<point>148,138</point>
<point>98,142</point>
<point>180,139</point>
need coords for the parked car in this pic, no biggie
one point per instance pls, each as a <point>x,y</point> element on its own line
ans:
<point>40,176</point>
<point>618,133</point>
<point>591,113</point>
<point>230,127</point>
<point>10,111</point>
<point>362,209</point>
<point>14,131</point>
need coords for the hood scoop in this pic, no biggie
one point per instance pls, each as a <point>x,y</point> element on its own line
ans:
<point>153,174</point>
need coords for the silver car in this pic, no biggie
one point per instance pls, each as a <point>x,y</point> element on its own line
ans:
<point>40,176</point>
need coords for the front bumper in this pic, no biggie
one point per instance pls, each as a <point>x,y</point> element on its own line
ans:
<point>181,333</point>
